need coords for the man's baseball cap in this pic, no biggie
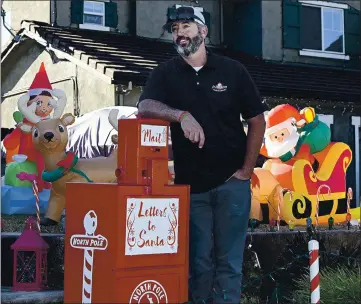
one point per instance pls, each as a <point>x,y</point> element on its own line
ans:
<point>184,13</point>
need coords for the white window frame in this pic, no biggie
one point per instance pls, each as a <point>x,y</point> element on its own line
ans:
<point>91,26</point>
<point>326,54</point>
<point>356,121</point>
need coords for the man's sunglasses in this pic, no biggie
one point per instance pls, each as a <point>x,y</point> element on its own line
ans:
<point>173,17</point>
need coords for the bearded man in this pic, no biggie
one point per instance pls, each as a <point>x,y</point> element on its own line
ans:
<point>203,96</point>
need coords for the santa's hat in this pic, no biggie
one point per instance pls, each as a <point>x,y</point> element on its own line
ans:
<point>41,82</point>
<point>281,117</point>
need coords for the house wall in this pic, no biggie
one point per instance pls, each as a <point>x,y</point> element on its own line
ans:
<point>19,70</point>
<point>149,15</point>
<point>61,14</point>
<point>26,9</point>
<point>272,36</point>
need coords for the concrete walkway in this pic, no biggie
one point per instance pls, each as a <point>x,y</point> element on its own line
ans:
<point>47,296</point>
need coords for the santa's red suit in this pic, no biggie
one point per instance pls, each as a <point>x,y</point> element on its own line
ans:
<point>281,136</point>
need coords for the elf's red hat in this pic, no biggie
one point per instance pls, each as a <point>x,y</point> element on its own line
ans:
<point>41,82</point>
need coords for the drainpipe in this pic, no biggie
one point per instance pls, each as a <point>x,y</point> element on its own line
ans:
<point>356,121</point>
<point>221,21</point>
<point>3,14</point>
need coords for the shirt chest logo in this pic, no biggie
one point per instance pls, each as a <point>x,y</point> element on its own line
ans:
<point>219,87</point>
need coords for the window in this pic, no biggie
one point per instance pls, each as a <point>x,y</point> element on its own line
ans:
<point>94,15</point>
<point>322,30</point>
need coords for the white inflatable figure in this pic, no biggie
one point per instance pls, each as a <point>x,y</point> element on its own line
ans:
<point>92,136</point>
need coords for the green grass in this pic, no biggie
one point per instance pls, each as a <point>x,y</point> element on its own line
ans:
<point>338,285</point>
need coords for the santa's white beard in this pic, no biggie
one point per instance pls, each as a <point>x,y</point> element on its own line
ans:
<point>276,149</point>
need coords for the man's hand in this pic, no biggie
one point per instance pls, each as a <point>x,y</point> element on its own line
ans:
<point>243,174</point>
<point>192,129</point>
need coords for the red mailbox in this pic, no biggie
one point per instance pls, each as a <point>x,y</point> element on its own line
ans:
<point>128,242</point>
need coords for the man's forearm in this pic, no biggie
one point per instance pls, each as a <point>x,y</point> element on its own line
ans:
<point>256,129</point>
<point>149,108</point>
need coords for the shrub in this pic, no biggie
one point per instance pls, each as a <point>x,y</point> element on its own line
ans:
<point>338,285</point>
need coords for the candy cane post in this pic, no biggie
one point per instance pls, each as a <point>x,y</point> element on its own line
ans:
<point>32,179</point>
<point>88,242</point>
<point>318,200</point>
<point>313,248</point>
<point>349,198</point>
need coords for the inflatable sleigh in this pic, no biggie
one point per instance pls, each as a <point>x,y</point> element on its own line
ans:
<point>309,180</point>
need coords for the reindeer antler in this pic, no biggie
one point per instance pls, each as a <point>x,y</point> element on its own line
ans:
<point>59,105</point>
<point>28,112</point>
<point>113,118</point>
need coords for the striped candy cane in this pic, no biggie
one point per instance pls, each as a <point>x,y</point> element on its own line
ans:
<point>90,225</point>
<point>313,248</point>
<point>32,179</point>
<point>349,198</point>
<point>87,275</point>
<point>318,200</point>
<point>37,200</point>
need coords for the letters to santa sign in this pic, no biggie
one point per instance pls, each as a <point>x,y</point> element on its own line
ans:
<point>151,226</point>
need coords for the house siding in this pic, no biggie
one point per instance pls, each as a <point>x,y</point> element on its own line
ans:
<point>19,72</point>
<point>150,17</point>
<point>272,38</point>
<point>26,10</point>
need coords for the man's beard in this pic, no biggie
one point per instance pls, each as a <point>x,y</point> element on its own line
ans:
<point>192,46</point>
<point>276,149</point>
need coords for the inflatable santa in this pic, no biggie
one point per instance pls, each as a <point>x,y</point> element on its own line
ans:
<point>34,106</point>
<point>291,134</point>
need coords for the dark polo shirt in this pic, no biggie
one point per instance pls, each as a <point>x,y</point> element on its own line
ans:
<point>216,96</point>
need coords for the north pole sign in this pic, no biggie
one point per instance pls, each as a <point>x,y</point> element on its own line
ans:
<point>88,242</point>
<point>151,226</point>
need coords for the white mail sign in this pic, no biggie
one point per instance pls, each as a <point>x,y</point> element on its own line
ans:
<point>152,135</point>
<point>151,226</point>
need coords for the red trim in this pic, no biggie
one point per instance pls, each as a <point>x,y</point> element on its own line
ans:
<point>182,115</point>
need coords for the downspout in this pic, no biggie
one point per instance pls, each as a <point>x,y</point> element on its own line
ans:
<point>356,121</point>
<point>3,14</point>
<point>221,22</point>
<point>54,12</point>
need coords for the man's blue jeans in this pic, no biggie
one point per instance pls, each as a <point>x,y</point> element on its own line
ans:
<point>218,230</point>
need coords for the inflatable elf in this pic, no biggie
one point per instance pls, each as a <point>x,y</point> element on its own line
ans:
<point>34,106</point>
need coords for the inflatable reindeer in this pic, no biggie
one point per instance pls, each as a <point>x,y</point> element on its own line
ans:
<point>50,138</point>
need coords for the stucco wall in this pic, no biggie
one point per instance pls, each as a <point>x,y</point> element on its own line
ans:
<point>272,36</point>
<point>20,68</point>
<point>61,12</point>
<point>19,71</point>
<point>132,97</point>
<point>93,92</point>
<point>26,9</point>
<point>150,16</point>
